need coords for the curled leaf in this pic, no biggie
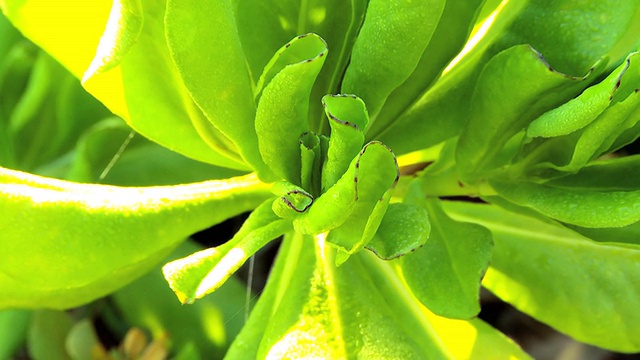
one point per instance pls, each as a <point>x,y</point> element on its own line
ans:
<point>203,272</point>
<point>283,108</point>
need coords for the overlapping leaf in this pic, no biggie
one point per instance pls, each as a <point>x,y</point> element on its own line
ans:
<point>592,292</point>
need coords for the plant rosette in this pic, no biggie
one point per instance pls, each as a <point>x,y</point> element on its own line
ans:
<point>514,103</point>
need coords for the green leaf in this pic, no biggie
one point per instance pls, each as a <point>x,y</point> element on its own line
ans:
<point>93,239</point>
<point>541,269</point>
<point>67,19</point>
<point>307,295</point>
<point>526,86</point>
<point>404,229</point>
<point>445,273</point>
<point>573,35</point>
<point>152,99</point>
<point>579,112</point>
<point>473,339</point>
<point>587,208</point>
<point>447,40</point>
<point>348,119</point>
<point>210,324</point>
<point>389,45</point>
<point>121,33</point>
<point>205,48</point>
<point>281,118</point>
<point>264,26</point>
<point>205,271</point>
<point>442,111</point>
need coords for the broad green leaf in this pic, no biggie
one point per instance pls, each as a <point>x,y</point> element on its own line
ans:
<point>579,112</point>
<point>143,88</point>
<point>281,118</point>
<point>585,289</point>
<point>404,229</point>
<point>348,119</point>
<point>445,273</point>
<point>309,297</point>
<point>205,48</point>
<point>205,271</point>
<point>210,324</point>
<point>365,186</point>
<point>47,24</point>
<point>13,331</point>
<point>582,207</point>
<point>573,35</point>
<point>448,39</point>
<point>388,48</point>
<point>48,331</point>
<point>441,112</point>
<point>94,239</point>
<point>526,86</point>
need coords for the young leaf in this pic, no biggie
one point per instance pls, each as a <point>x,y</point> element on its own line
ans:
<point>390,43</point>
<point>205,271</point>
<point>281,117</point>
<point>313,151</point>
<point>593,292</point>
<point>587,208</point>
<point>348,119</point>
<point>365,186</point>
<point>445,273</point>
<point>94,239</point>
<point>336,21</point>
